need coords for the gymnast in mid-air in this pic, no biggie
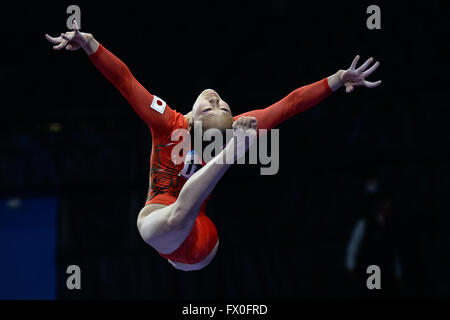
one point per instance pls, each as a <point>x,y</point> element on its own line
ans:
<point>173,220</point>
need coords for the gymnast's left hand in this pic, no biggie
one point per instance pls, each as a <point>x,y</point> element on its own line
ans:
<point>355,77</point>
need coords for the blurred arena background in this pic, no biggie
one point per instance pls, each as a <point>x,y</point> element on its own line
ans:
<point>74,158</point>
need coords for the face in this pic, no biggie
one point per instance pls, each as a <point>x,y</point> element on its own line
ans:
<point>212,111</point>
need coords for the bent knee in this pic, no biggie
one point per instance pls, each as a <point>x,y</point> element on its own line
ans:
<point>147,225</point>
<point>141,218</point>
<point>152,224</point>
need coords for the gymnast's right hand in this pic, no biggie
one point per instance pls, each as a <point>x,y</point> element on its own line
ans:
<point>72,40</point>
<point>244,134</point>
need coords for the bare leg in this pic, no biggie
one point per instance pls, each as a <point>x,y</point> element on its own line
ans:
<point>166,228</point>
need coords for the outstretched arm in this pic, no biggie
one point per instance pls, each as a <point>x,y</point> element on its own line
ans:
<point>308,96</point>
<point>297,101</point>
<point>151,109</point>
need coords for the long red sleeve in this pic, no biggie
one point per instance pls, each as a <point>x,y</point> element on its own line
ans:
<point>158,116</point>
<point>297,101</point>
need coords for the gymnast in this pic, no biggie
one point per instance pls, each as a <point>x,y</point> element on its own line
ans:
<point>173,220</point>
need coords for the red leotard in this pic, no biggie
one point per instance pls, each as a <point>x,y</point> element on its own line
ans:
<point>165,178</point>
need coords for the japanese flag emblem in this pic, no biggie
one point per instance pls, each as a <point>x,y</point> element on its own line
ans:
<point>158,104</point>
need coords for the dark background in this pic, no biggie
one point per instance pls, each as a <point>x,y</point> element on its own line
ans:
<point>66,131</point>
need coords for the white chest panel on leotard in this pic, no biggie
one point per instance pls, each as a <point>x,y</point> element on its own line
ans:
<point>191,165</point>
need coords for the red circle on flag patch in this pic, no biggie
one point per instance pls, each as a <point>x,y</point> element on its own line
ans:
<point>159,102</point>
